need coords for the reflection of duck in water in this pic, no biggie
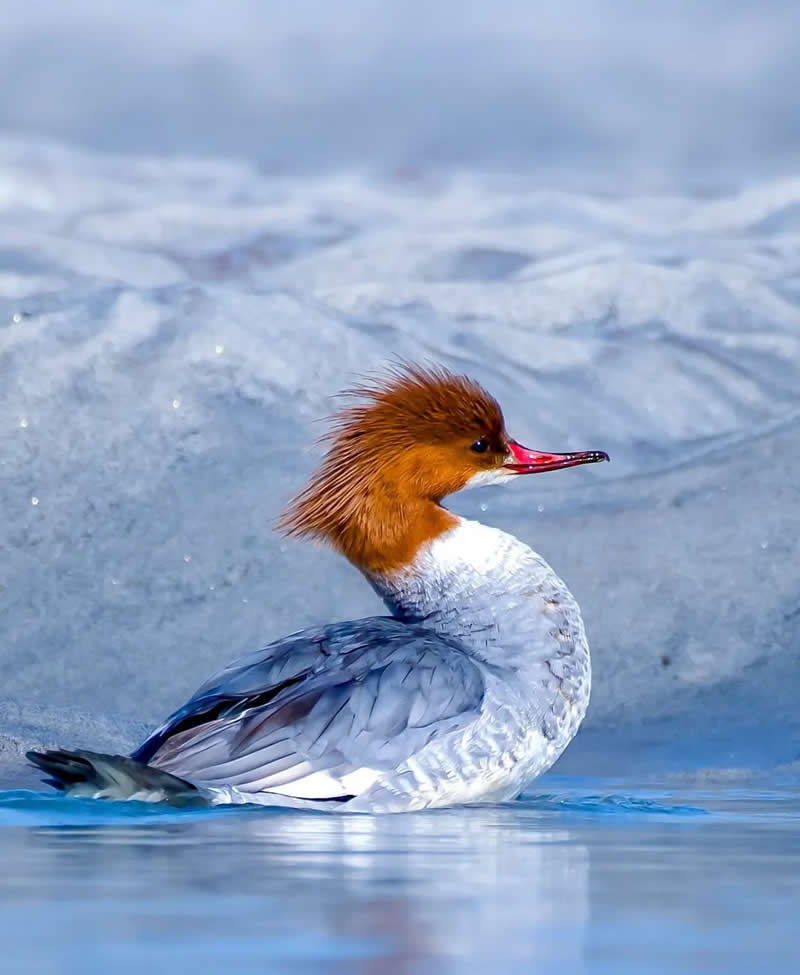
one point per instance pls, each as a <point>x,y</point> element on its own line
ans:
<point>475,684</point>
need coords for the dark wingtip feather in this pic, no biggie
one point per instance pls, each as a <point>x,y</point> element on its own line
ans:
<point>67,769</point>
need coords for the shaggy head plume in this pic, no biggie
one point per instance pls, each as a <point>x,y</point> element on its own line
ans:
<point>408,442</point>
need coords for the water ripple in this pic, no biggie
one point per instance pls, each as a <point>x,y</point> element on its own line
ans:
<point>609,805</point>
<point>26,808</point>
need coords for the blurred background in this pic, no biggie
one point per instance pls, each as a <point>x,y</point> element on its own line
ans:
<point>615,95</point>
<point>213,221</point>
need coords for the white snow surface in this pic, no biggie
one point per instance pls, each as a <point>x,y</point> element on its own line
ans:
<point>210,223</point>
<point>171,330</point>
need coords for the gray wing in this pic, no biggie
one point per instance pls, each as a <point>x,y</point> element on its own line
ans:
<point>321,714</point>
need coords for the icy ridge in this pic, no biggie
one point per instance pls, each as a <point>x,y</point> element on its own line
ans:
<point>171,329</point>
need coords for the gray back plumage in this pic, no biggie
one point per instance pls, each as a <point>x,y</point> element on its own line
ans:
<point>359,695</point>
<point>475,685</point>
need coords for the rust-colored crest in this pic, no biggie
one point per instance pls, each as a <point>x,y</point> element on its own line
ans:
<point>391,458</point>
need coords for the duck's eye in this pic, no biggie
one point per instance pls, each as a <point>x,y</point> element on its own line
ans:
<point>480,446</point>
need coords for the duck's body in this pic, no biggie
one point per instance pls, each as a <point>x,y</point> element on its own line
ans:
<point>473,687</point>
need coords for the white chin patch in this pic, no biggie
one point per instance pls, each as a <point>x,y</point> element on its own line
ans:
<point>484,478</point>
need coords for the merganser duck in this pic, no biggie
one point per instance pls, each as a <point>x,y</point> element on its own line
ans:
<point>473,686</point>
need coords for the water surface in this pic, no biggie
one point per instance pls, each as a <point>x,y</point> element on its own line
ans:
<point>579,875</point>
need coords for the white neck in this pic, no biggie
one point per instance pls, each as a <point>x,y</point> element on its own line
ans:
<point>489,591</point>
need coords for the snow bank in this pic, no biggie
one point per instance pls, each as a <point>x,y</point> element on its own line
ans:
<point>171,330</point>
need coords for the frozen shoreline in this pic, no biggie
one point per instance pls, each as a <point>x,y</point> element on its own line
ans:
<point>170,331</point>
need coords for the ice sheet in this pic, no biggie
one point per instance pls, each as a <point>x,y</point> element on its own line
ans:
<point>171,331</point>
<point>209,224</point>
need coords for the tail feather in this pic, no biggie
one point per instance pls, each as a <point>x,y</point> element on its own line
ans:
<point>83,773</point>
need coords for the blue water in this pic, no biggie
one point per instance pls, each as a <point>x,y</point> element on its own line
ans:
<point>580,876</point>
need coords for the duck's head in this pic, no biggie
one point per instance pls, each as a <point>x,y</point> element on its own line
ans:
<point>413,437</point>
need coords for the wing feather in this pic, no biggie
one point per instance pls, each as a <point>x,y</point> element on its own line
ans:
<point>323,713</point>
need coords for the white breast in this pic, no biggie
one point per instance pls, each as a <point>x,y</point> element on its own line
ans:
<point>514,615</point>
